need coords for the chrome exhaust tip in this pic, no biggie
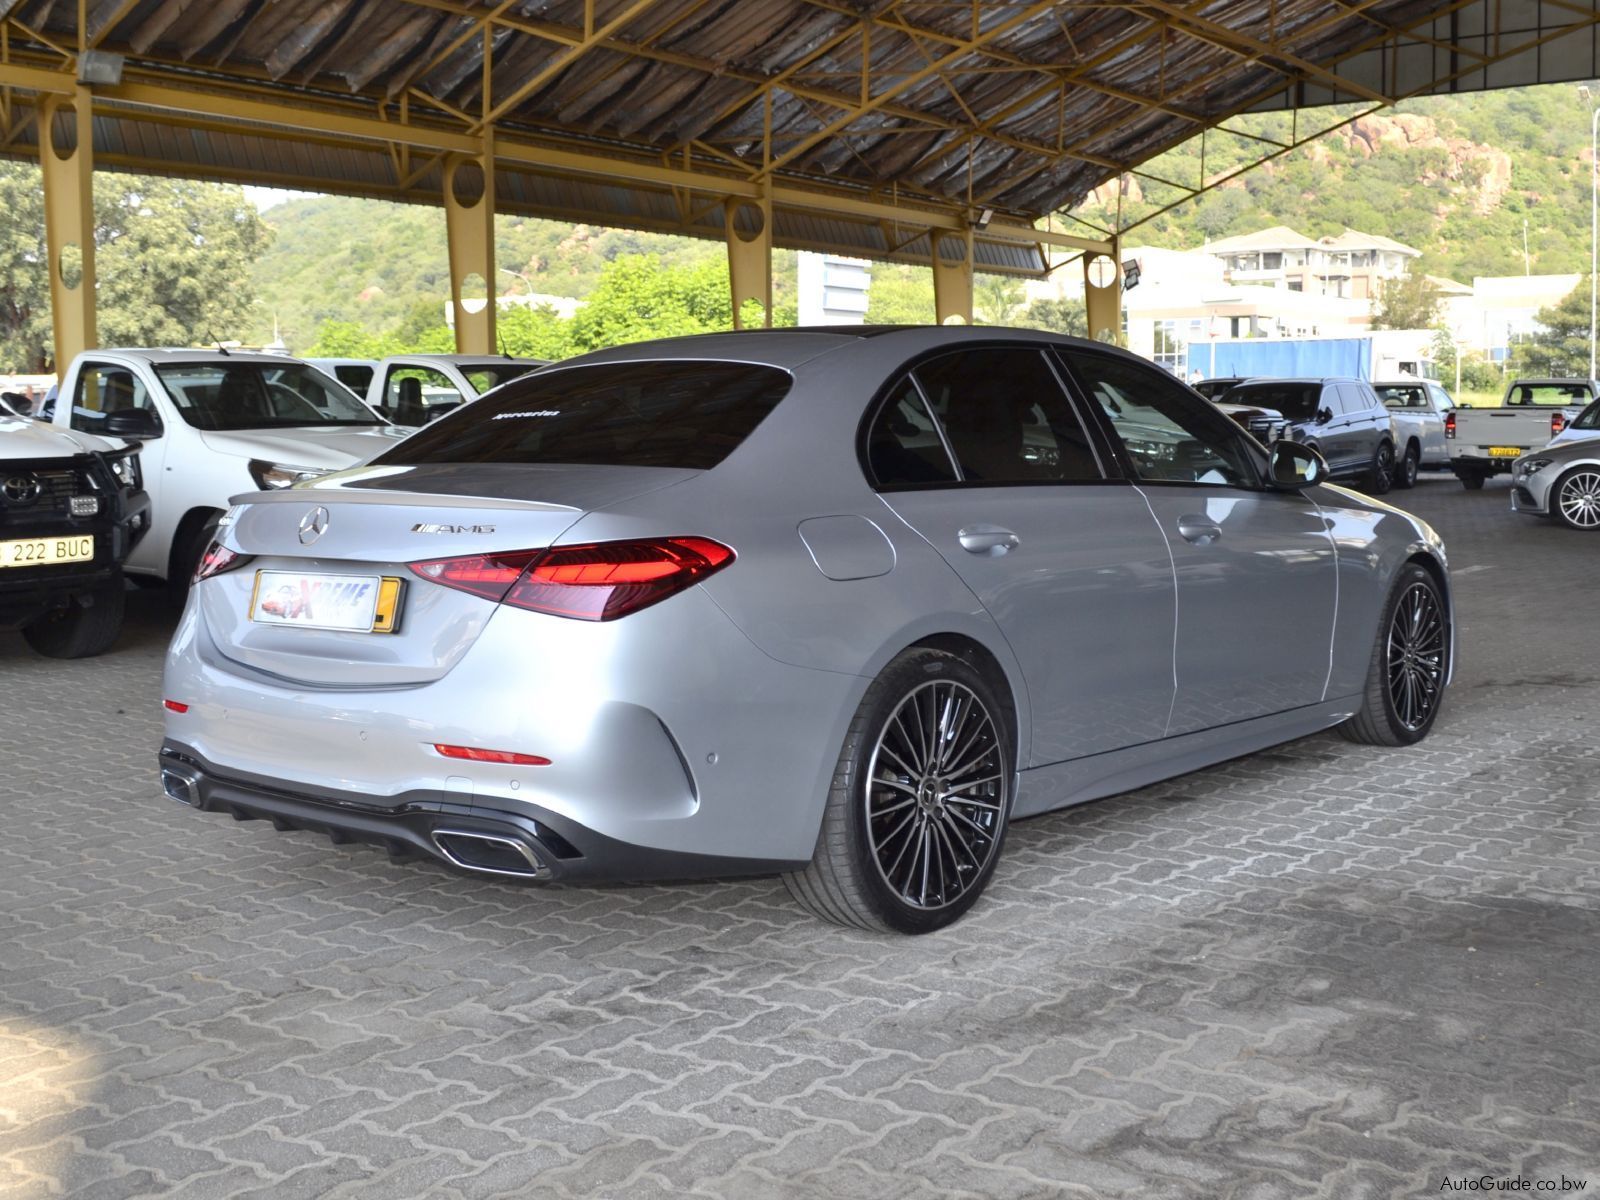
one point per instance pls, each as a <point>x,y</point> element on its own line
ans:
<point>488,854</point>
<point>182,784</point>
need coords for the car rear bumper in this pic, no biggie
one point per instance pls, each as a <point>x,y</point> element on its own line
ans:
<point>467,835</point>
<point>1481,464</point>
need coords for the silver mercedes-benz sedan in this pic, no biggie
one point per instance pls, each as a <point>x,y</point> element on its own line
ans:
<point>1562,480</point>
<point>839,604</point>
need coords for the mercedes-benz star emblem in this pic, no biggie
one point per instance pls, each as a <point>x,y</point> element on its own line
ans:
<point>21,489</point>
<point>313,525</point>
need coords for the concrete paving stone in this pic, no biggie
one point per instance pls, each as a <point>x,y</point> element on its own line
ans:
<point>1319,971</point>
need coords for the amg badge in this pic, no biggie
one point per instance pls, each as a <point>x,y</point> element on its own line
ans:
<point>452,529</point>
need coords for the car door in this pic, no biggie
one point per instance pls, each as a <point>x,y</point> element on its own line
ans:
<point>981,453</point>
<point>1370,421</point>
<point>1255,567</point>
<point>1434,447</point>
<point>103,388</point>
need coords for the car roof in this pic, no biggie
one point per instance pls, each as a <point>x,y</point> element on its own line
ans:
<point>464,359</point>
<point>160,354</point>
<point>1270,381</point>
<point>789,347</point>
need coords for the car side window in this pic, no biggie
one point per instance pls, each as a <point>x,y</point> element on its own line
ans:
<point>1170,436</point>
<point>411,395</point>
<point>904,448</point>
<point>1006,418</point>
<point>1441,398</point>
<point>103,389</point>
<point>1356,398</point>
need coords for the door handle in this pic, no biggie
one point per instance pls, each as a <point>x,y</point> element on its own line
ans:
<point>990,540</point>
<point>1200,530</point>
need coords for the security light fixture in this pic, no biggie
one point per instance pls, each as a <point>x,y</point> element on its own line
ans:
<point>100,66</point>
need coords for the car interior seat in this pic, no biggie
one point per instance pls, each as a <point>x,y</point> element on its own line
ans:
<point>408,406</point>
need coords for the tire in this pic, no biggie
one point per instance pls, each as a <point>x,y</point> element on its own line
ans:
<point>859,874</point>
<point>186,552</point>
<point>1380,473</point>
<point>1410,657</point>
<point>1471,480</point>
<point>1575,499</point>
<point>1405,475</point>
<point>78,630</point>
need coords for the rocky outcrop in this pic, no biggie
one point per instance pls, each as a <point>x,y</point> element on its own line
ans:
<point>1485,171</point>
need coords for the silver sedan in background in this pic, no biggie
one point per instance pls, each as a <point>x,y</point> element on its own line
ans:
<point>839,604</point>
<point>1562,480</point>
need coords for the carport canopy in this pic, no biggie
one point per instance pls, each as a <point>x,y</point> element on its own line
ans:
<point>941,133</point>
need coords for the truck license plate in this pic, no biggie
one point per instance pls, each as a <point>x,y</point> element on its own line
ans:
<point>1505,451</point>
<point>38,552</point>
<point>353,603</point>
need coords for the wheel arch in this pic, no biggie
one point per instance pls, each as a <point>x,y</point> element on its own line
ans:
<point>990,657</point>
<point>186,528</point>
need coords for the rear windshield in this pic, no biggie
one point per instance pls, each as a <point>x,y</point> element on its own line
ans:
<point>685,414</point>
<point>1559,394</point>
<point>1402,395</point>
<point>1296,401</point>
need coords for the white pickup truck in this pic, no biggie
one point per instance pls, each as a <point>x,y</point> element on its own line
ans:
<point>413,389</point>
<point>210,425</point>
<point>1487,441</point>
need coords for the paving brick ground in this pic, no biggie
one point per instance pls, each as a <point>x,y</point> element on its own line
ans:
<point>1320,971</point>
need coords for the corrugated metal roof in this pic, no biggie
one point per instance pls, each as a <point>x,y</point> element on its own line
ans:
<point>1020,107</point>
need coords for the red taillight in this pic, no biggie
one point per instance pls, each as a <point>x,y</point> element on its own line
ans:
<point>218,559</point>
<point>1558,422</point>
<point>1450,424</point>
<point>597,582</point>
<point>177,706</point>
<point>509,757</point>
<point>486,575</point>
<point>606,580</point>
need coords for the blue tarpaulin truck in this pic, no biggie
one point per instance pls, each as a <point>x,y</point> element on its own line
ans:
<point>1379,355</point>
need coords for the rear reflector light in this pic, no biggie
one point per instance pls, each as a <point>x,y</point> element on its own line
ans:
<point>217,559</point>
<point>597,582</point>
<point>176,706</point>
<point>1558,422</point>
<point>1449,424</point>
<point>509,757</point>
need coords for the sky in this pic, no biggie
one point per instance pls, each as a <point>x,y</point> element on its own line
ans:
<point>265,197</point>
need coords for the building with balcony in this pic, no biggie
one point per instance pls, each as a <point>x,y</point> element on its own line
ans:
<point>1351,266</point>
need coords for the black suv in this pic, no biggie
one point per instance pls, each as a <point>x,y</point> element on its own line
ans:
<point>71,508</point>
<point>1341,418</point>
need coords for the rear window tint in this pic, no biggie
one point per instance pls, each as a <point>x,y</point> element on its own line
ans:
<point>685,414</point>
<point>1296,401</point>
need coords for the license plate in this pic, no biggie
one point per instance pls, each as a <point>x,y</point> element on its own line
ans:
<point>352,603</point>
<point>1505,451</point>
<point>39,552</point>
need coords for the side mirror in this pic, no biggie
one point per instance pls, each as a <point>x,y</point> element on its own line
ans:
<point>1293,466</point>
<point>135,424</point>
<point>1324,415</point>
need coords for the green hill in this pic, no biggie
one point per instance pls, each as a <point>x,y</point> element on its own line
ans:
<point>1459,178</point>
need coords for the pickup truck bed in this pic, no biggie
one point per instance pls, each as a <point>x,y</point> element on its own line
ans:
<point>1487,441</point>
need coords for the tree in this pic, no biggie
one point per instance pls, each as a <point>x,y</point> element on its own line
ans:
<point>900,295</point>
<point>172,257</point>
<point>1409,302</point>
<point>1561,344</point>
<point>998,299</point>
<point>1059,316</point>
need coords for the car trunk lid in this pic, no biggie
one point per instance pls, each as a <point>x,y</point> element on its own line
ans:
<point>315,551</point>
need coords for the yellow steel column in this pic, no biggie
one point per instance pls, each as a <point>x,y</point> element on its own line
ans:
<point>749,256</point>
<point>67,162</point>
<point>469,226</point>
<point>1102,294</point>
<point>952,276</point>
